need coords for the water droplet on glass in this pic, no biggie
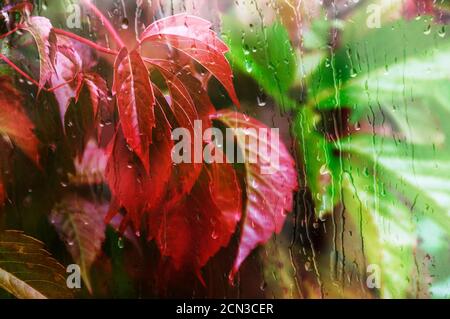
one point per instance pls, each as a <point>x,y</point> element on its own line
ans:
<point>246,49</point>
<point>324,170</point>
<point>120,243</point>
<point>248,66</point>
<point>322,216</point>
<point>308,266</point>
<point>366,171</point>
<point>263,286</point>
<point>261,100</point>
<point>125,23</point>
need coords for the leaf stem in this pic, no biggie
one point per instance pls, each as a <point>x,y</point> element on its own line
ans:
<point>89,43</point>
<point>17,69</point>
<point>105,22</point>
<point>11,31</point>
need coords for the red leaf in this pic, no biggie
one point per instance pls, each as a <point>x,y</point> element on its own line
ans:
<point>52,47</point>
<point>187,26</point>
<point>214,61</point>
<point>96,97</point>
<point>98,91</point>
<point>269,194</point>
<point>79,223</point>
<point>160,159</point>
<point>102,104</point>
<point>68,65</point>
<point>199,95</point>
<point>182,71</point>
<point>80,124</point>
<point>182,104</point>
<point>14,122</point>
<point>184,175</point>
<point>135,101</point>
<point>40,28</point>
<point>90,168</point>
<point>194,231</point>
<point>192,36</point>
<point>127,181</point>
<point>187,96</point>
<point>132,187</point>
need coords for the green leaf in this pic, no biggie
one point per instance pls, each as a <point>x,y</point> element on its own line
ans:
<point>5,69</point>
<point>413,97</point>
<point>27,271</point>
<point>413,93</point>
<point>357,26</point>
<point>386,229</point>
<point>252,50</point>
<point>319,34</point>
<point>417,174</point>
<point>320,167</point>
<point>79,223</point>
<point>391,186</point>
<point>434,242</point>
<point>390,71</point>
<point>391,77</point>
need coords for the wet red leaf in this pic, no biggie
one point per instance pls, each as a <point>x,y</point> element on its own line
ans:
<point>191,209</point>
<point>133,188</point>
<point>98,91</point>
<point>136,101</point>
<point>194,230</point>
<point>102,103</point>
<point>191,36</point>
<point>187,26</point>
<point>40,29</point>
<point>14,122</point>
<point>66,78</point>
<point>183,175</point>
<point>269,185</point>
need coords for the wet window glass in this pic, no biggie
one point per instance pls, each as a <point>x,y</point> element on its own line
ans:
<point>224,149</point>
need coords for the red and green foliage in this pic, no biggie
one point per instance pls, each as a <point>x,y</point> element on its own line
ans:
<point>117,126</point>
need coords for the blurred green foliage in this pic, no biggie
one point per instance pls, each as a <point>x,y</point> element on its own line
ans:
<point>385,159</point>
<point>265,53</point>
